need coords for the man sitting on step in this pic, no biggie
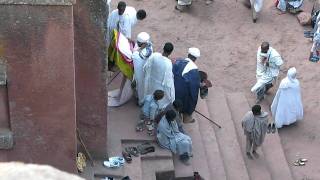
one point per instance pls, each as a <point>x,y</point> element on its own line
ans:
<point>255,125</point>
<point>169,137</point>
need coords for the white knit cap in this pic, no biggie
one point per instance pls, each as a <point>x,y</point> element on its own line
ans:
<point>194,52</point>
<point>143,37</point>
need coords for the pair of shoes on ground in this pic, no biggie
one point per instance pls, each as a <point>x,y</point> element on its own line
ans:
<point>271,128</point>
<point>142,149</point>
<point>146,124</point>
<point>114,162</point>
<point>254,153</point>
<point>300,162</point>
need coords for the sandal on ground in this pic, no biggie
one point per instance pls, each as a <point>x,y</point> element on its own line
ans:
<point>299,163</point>
<point>249,156</point>
<point>269,128</point>
<point>303,160</point>
<point>132,151</point>
<point>145,148</point>
<point>127,156</point>
<point>255,154</point>
<point>150,128</point>
<point>140,126</point>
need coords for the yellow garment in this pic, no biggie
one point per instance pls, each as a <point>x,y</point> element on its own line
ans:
<point>119,59</point>
<point>81,161</point>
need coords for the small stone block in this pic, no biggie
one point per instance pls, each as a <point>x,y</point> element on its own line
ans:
<point>3,73</point>
<point>6,139</point>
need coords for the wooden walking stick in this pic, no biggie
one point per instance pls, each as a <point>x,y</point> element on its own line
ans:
<point>208,119</point>
<point>114,77</point>
<point>84,147</point>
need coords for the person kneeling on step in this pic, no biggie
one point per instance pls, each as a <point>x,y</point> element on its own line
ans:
<point>255,126</point>
<point>169,137</point>
<point>150,110</point>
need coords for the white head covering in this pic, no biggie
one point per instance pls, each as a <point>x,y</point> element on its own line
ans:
<point>292,74</point>
<point>290,80</point>
<point>143,37</point>
<point>194,52</point>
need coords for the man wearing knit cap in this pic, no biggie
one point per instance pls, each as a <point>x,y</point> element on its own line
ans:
<point>187,83</point>
<point>139,58</point>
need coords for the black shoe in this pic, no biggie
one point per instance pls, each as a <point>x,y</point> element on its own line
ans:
<point>255,154</point>
<point>269,128</point>
<point>254,20</point>
<point>249,155</point>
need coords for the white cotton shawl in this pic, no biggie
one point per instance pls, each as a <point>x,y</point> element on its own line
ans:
<point>287,105</point>
<point>190,66</point>
<point>290,80</point>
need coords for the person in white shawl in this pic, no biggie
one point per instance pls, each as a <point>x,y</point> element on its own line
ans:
<point>268,68</point>
<point>287,105</point>
<point>139,58</point>
<point>158,75</point>
<point>123,19</point>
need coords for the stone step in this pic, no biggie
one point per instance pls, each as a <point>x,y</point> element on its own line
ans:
<point>135,170</point>
<point>157,168</point>
<point>100,171</point>
<point>239,106</point>
<point>227,137</point>
<point>275,157</point>
<point>199,160</point>
<point>210,143</point>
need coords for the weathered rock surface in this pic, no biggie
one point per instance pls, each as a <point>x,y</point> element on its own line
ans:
<point>17,170</point>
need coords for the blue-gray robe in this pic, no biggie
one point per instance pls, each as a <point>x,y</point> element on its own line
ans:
<point>170,137</point>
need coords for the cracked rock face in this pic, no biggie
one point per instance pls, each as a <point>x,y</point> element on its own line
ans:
<point>39,2</point>
<point>16,170</point>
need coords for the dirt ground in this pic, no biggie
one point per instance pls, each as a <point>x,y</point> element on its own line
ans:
<point>228,41</point>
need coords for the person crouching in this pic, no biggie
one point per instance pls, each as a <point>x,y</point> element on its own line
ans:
<point>150,110</point>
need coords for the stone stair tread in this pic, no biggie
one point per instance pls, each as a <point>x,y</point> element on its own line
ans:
<point>211,146</point>
<point>274,155</point>
<point>199,160</point>
<point>123,121</point>
<point>159,151</point>
<point>227,138</point>
<point>151,166</point>
<point>101,170</point>
<point>239,106</point>
<point>181,170</point>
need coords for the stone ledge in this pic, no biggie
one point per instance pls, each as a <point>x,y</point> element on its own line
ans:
<point>39,2</point>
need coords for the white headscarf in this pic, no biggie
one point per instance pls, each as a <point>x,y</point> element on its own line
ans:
<point>290,80</point>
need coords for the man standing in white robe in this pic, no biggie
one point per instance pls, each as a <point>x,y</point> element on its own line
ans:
<point>139,58</point>
<point>287,105</point>
<point>123,19</point>
<point>159,76</point>
<point>268,68</point>
<point>257,6</point>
